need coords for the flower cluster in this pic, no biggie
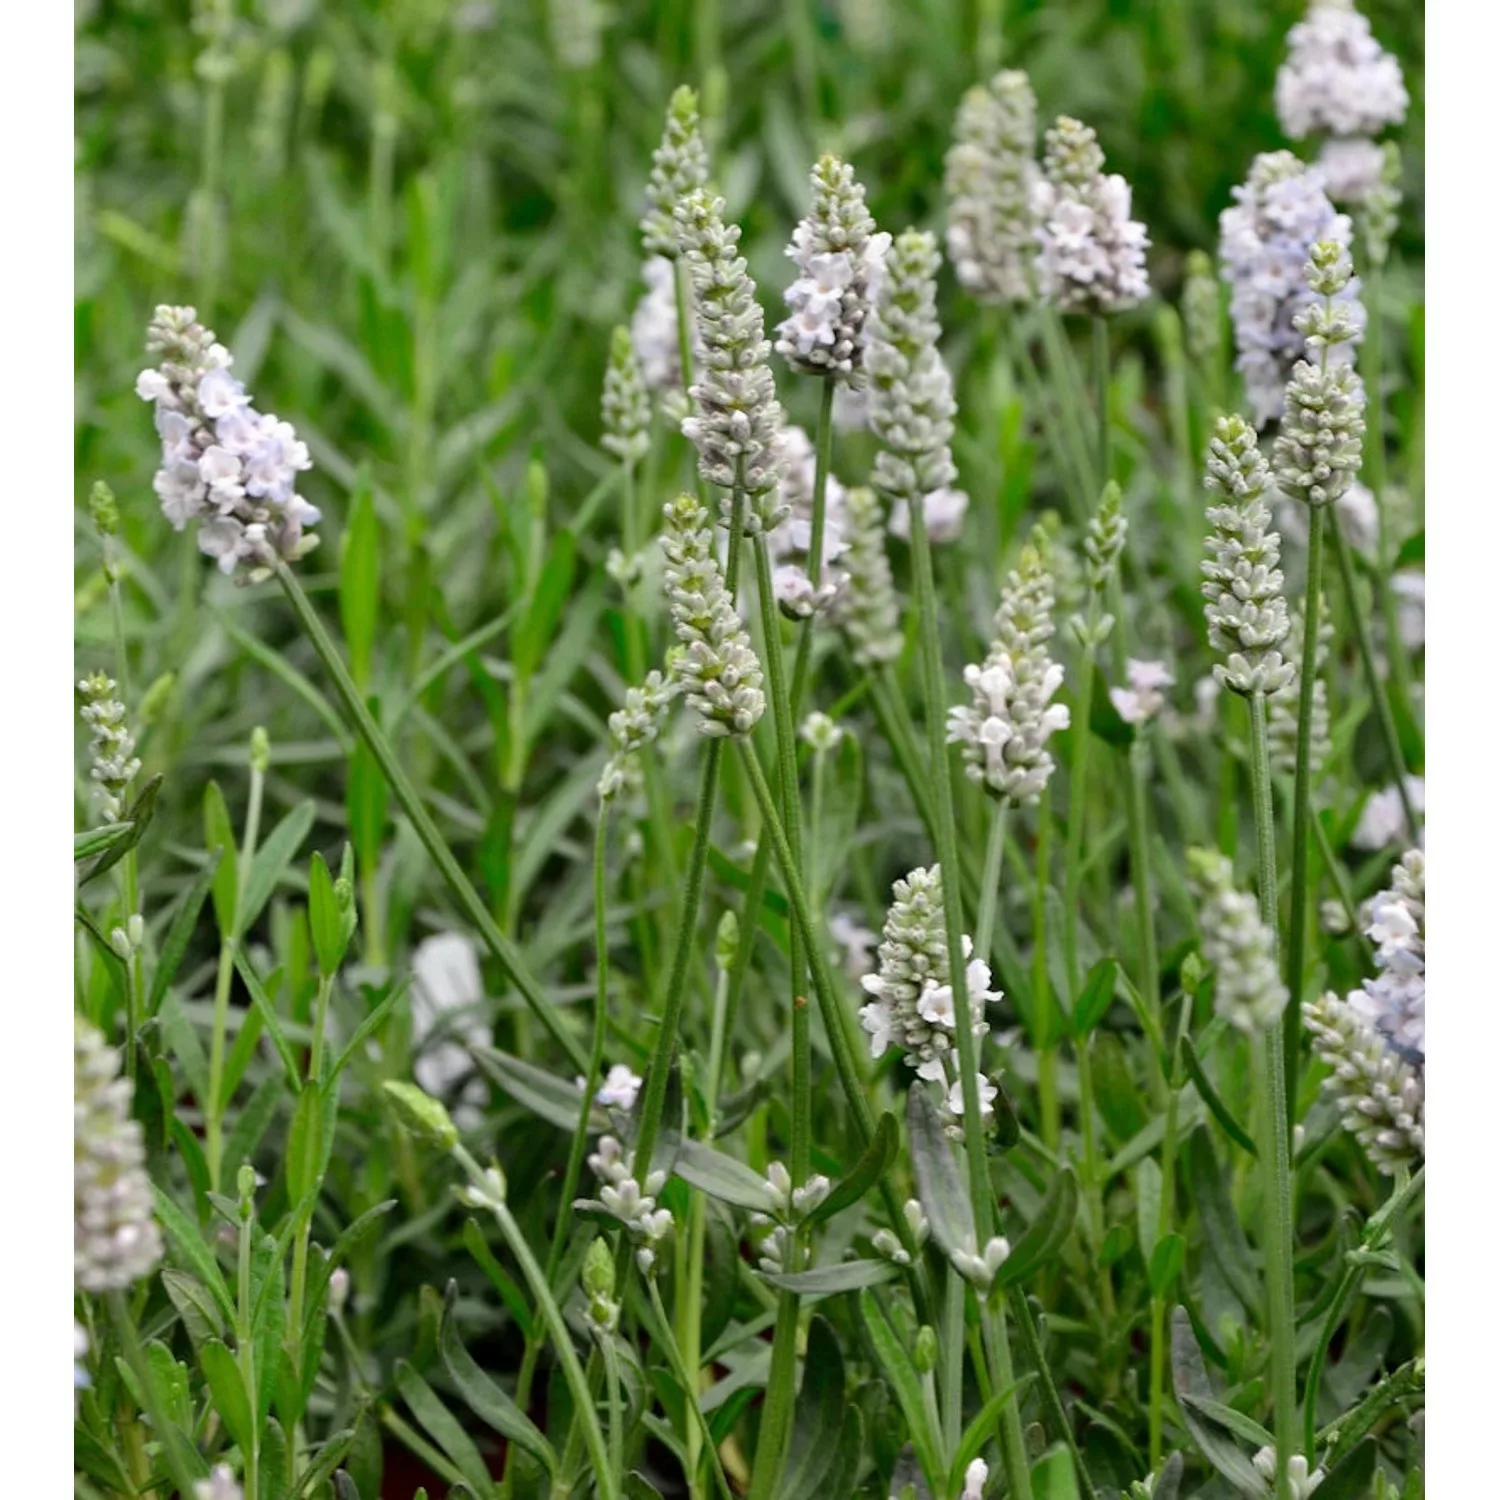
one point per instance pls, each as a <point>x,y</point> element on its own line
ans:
<point>631,728</point>
<point>1091,255</point>
<point>942,512</point>
<point>911,397</point>
<point>112,745</point>
<point>790,540</point>
<point>618,1089</point>
<point>787,1207</point>
<point>867,608</point>
<point>839,258</point>
<point>980,1267</point>
<point>679,166</point>
<point>1337,77</point>
<point>1248,991</point>
<point>1383,820</point>
<point>1375,1039</point>
<point>224,464</point>
<point>1352,169</point>
<point>716,664</point>
<point>625,407</point>
<point>1143,699</point>
<point>1318,449</point>
<point>990,173</point>
<point>1278,215</point>
<point>653,330</point>
<point>736,422</point>
<point>1242,579</point>
<point>820,733</point>
<point>1004,732</point>
<point>911,1003</point>
<point>1302,1479</point>
<point>1281,720</point>
<point>886,1242</point>
<point>627,1200</point>
<point>115,1236</point>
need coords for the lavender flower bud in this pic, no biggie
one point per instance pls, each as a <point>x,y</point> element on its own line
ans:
<point>112,747</point>
<point>1245,610</point>
<point>1200,311</point>
<point>1248,991</point>
<point>1265,238</point>
<point>867,607</point>
<point>839,257</point>
<point>990,173</point>
<point>1281,720</point>
<point>625,408</point>
<point>679,166</point>
<point>1092,254</point>
<point>1337,77</point>
<point>115,1236</point>
<point>1302,1480</point>
<point>736,425</point>
<point>1005,730</point>
<point>716,665</point>
<point>633,727</point>
<point>1381,204</point>
<point>224,464</point>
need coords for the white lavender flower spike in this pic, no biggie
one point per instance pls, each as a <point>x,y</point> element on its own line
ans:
<point>1004,731</point>
<point>736,421</point>
<point>1245,609</point>
<point>224,465</point>
<point>790,540</point>
<point>679,166</point>
<point>653,330</point>
<point>115,1236</point>
<point>1265,239</point>
<point>867,608</point>
<point>1091,255</point>
<point>1248,991</point>
<point>839,257</point>
<point>631,728</point>
<point>1200,311</point>
<point>715,663</point>
<point>625,406</point>
<point>1337,78</point>
<point>990,173</point>
<point>1375,1039</point>
<point>112,747</point>
<point>911,396</point>
<point>1281,720</point>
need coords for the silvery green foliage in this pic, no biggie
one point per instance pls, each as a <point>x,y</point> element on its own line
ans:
<point>1091,255</point>
<point>1318,449</point>
<point>112,746</point>
<point>1245,610</point>
<point>736,421</point>
<point>1004,731</point>
<point>1381,205</point>
<point>115,1236</point>
<point>224,464</point>
<point>1337,77</point>
<point>911,1003</point>
<point>1281,719</point>
<point>627,1201</point>
<point>790,540</point>
<point>1351,168</point>
<point>679,167</point>
<point>867,608</point>
<point>715,663</point>
<point>839,257</point>
<point>1302,1479</point>
<point>220,1485</point>
<point>1248,991</point>
<point>989,176</point>
<point>1200,311</point>
<point>625,407</point>
<point>631,728</point>
<point>1265,237</point>
<point>911,394</point>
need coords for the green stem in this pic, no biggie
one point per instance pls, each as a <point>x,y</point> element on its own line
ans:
<point>668,1346</point>
<point>989,889</point>
<point>244,1340</point>
<point>1275,1148</point>
<point>358,717</point>
<point>952,1350</point>
<point>1052,1407</point>
<point>1078,780</point>
<point>178,1456</point>
<point>1101,392</point>
<point>304,1230</point>
<point>546,1304</point>
<point>1002,1375</point>
<point>1377,689</point>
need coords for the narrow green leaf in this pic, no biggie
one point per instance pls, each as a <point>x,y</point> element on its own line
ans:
<point>1147,1204</point>
<point>982,1428</point>
<point>96,840</point>
<point>1223,1235</point>
<point>195,1305</point>
<point>262,1002</point>
<point>366,802</point>
<point>904,1381</point>
<point>251,1123</point>
<point>721,1176</point>
<point>1166,1263</point>
<point>1053,1476</point>
<point>183,1236</point>
<point>138,815</point>
<point>273,857</point>
<point>1046,1233</point>
<point>1236,1422</point>
<point>359,580</point>
<point>324,918</point>
<point>222,1372</point>
<point>304,1148</point>
<point>503,1282</point>
<point>1210,1096</point>
<point>867,1172</point>
<point>539,627</point>
<point>1096,998</point>
<point>175,945</point>
<point>828,1281</point>
<point>218,837</point>
<point>555,1099</point>
<point>369,1026</point>
<point>443,1427</point>
<point>1190,1381</point>
<point>819,1415</point>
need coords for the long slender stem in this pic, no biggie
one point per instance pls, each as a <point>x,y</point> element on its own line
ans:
<point>244,1339</point>
<point>178,1464</point>
<point>1052,1407</point>
<point>680,1373</point>
<point>1101,392</point>
<point>1002,1375</point>
<point>359,719</point>
<point>1270,1070</point>
<point>989,889</point>
<point>1078,781</point>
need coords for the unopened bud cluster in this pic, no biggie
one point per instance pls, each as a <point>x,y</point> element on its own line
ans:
<point>1248,991</point>
<point>1103,546</point>
<point>679,166</point>
<point>980,1267</point>
<point>911,992</point>
<point>633,727</point>
<point>1302,1479</point>
<point>787,1207</point>
<point>625,407</point>
<point>115,1236</point>
<point>1242,578</point>
<point>839,258</point>
<point>598,1280</point>
<point>1004,731</point>
<point>1281,720</point>
<point>1200,311</point>
<point>224,464</point>
<point>112,746</point>
<point>867,608</point>
<point>736,421</point>
<point>990,174</point>
<point>1375,1039</point>
<point>719,670</point>
<point>888,1244</point>
<point>1092,254</point>
<point>631,1202</point>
